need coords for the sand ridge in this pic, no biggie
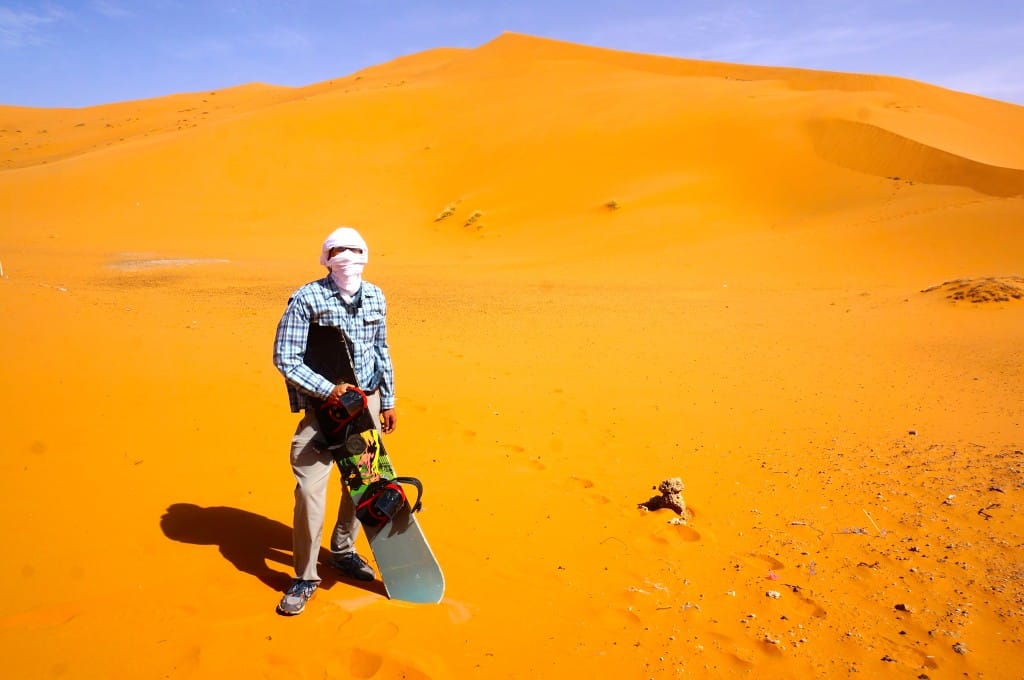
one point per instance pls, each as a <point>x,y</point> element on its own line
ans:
<point>604,270</point>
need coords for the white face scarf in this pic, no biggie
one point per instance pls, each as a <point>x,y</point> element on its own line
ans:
<point>347,270</point>
<point>347,266</point>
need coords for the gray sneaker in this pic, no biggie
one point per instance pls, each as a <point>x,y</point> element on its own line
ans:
<point>353,566</point>
<point>296,597</point>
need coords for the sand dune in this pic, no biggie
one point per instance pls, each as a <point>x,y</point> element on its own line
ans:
<point>797,291</point>
<point>37,136</point>
<point>878,151</point>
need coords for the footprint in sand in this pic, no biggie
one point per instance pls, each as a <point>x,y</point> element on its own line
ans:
<point>686,533</point>
<point>384,631</point>
<point>673,532</point>
<point>817,611</point>
<point>774,565</point>
<point>577,483</point>
<point>43,617</point>
<point>364,663</point>
<point>621,618</point>
<point>517,455</point>
<point>680,526</point>
<point>740,656</point>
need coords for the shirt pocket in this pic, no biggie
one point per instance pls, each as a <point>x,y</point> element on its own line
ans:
<point>328,317</point>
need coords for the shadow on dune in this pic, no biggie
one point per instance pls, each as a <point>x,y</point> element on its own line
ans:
<point>877,151</point>
<point>248,541</point>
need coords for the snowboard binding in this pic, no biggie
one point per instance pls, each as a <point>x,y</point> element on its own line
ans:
<point>337,412</point>
<point>384,498</point>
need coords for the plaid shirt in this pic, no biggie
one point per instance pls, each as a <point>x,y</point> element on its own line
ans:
<point>362,321</point>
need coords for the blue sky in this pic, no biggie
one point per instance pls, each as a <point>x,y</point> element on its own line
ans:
<point>64,53</point>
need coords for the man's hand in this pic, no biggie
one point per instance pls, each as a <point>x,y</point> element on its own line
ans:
<point>387,421</point>
<point>387,416</point>
<point>340,390</point>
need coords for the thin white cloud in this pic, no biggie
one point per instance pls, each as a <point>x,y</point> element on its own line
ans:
<point>995,80</point>
<point>817,47</point>
<point>982,56</point>
<point>1000,75</point>
<point>20,28</point>
<point>111,9</point>
<point>745,35</point>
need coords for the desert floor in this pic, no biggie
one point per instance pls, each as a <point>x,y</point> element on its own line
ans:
<point>819,330</point>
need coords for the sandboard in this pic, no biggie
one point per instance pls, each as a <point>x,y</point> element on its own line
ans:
<point>407,566</point>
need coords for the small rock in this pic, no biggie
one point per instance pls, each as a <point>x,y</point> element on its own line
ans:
<point>959,648</point>
<point>773,594</point>
<point>671,497</point>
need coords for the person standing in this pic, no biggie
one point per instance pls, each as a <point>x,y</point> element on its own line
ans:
<point>341,299</point>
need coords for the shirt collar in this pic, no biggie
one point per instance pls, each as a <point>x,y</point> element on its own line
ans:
<point>357,298</point>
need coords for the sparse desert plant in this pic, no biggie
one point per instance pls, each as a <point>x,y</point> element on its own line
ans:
<point>471,220</point>
<point>612,204</point>
<point>448,211</point>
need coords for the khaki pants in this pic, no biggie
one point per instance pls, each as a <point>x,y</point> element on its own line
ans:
<point>312,470</point>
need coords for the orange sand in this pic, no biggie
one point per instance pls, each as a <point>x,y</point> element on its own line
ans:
<point>604,270</point>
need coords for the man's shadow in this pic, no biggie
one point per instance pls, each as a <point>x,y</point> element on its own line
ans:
<point>249,542</point>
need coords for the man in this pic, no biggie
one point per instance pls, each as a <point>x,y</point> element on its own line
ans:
<point>343,300</point>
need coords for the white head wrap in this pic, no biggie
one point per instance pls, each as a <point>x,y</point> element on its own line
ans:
<point>343,236</point>
<point>346,267</point>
